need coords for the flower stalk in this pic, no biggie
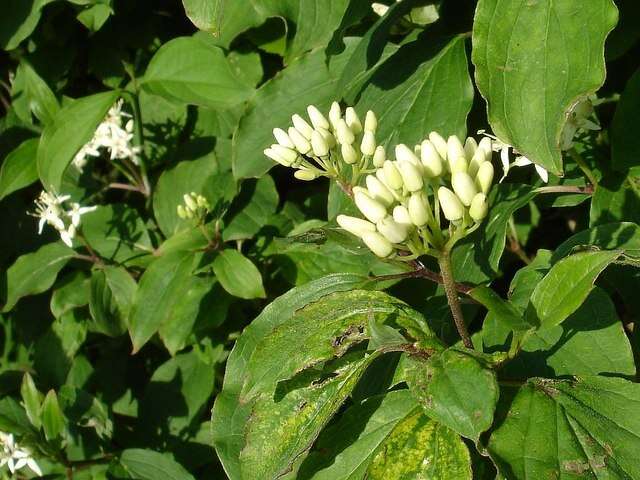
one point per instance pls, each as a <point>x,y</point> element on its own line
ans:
<point>444,262</point>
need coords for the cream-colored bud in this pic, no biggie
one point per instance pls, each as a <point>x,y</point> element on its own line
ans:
<point>464,187</point>
<point>305,175</point>
<point>487,145</point>
<point>182,213</point>
<point>190,202</point>
<point>203,202</point>
<point>431,160</point>
<point>355,226</point>
<point>391,230</point>
<point>454,148</point>
<point>318,144</point>
<point>392,175</point>
<point>344,134</point>
<point>318,120</point>
<point>300,141</point>
<point>370,122</point>
<point>405,154</point>
<point>328,137</point>
<point>411,177</point>
<point>401,215</point>
<point>479,208</point>
<point>470,147</point>
<point>379,156</point>
<point>378,191</point>
<point>373,210</point>
<point>353,121</point>
<point>379,9</point>
<point>269,152</point>
<point>377,244</point>
<point>451,205</point>
<point>478,159</point>
<point>484,177</point>
<point>418,209</point>
<point>349,154</point>
<point>302,126</point>
<point>368,144</point>
<point>288,155</point>
<point>282,138</point>
<point>458,164</point>
<point>439,143</point>
<point>335,114</point>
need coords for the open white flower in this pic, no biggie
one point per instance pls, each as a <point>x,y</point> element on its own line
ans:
<point>50,209</point>
<point>15,457</point>
<point>520,160</point>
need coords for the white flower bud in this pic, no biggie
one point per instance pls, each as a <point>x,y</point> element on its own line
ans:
<point>470,147</point>
<point>353,121</point>
<point>344,134</point>
<point>190,202</point>
<point>378,244</point>
<point>451,206</point>
<point>379,156</point>
<point>318,120</point>
<point>328,137</point>
<point>464,187</point>
<point>282,138</point>
<point>379,9</point>
<point>302,126</point>
<point>478,159</point>
<point>349,154</point>
<point>405,154</point>
<point>368,144</point>
<point>479,208</point>
<point>401,215</point>
<point>287,155</point>
<point>418,209</point>
<point>487,145</point>
<point>335,114</point>
<point>431,160</point>
<point>454,148</point>
<point>458,164</point>
<point>182,213</point>
<point>269,152</point>
<point>484,177</point>
<point>355,226</point>
<point>391,230</point>
<point>370,122</point>
<point>378,191</point>
<point>392,175</point>
<point>411,176</point>
<point>318,144</point>
<point>439,143</point>
<point>305,175</point>
<point>370,208</point>
<point>202,202</point>
<point>300,141</point>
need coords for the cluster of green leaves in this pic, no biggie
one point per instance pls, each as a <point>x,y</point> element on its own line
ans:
<point>261,342</point>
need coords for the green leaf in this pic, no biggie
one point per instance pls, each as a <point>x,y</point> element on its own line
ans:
<point>19,169</point>
<point>369,438</point>
<point>71,292</point>
<point>95,16</point>
<point>150,465</point>
<point>307,80</point>
<point>623,236</point>
<point>204,14</point>
<point>72,127</point>
<point>83,409</point>
<point>31,400</point>
<point>109,315</point>
<point>53,420</point>
<point>616,199</point>
<point>425,86</point>
<point>13,418</point>
<point>189,70</point>
<point>457,390</point>
<point>503,311</point>
<point>584,428</point>
<point>238,275</point>
<point>625,131</point>
<point>19,20</point>
<point>31,94</point>
<point>35,272</point>
<point>252,210</point>
<point>530,90</point>
<point>566,286</point>
<point>168,292</point>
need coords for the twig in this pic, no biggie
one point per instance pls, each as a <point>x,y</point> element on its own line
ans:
<point>587,190</point>
<point>444,261</point>
<point>421,272</point>
<point>125,186</point>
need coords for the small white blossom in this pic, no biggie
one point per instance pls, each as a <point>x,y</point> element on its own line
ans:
<point>50,209</point>
<point>520,160</point>
<point>15,457</point>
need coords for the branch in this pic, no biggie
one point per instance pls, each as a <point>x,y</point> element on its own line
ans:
<point>587,190</point>
<point>421,271</point>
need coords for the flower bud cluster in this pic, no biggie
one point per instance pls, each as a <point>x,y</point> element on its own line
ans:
<point>328,145</point>
<point>405,201</point>
<point>51,210</point>
<point>195,206</point>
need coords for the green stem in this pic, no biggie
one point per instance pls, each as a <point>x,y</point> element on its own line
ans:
<point>446,270</point>
<point>583,166</point>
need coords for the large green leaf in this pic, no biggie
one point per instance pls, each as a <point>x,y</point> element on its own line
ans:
<point>308,80</point>
<point>424,86</point>
<point>19,20</point>
<point>387,437</point>
<point>625,131</point>
<point>189,70</point>
<point>457,390</point>
<point>565,429</point>
<point>35,272</point>
<point>566,286</point>
<point>150,465</point>
<point>238,275</point>
<point>19,169</point>
<point>112,293</point>
<point>617,198</point>
<point>533,61</point>
<point>31,94</point>
<point>623,236</point>
<point>72,127</point>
